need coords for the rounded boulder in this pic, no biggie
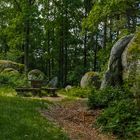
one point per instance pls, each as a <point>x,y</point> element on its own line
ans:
<point>90,79</point>
<point>36,75</point>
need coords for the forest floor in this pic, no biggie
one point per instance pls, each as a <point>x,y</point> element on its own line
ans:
<point>74,117</point>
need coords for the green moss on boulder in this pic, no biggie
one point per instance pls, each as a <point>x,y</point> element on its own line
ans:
<point>10,64</point>
<point>90,79</point>
<point>131,64</point>
<point>9,71</point>
<point>36,75</point>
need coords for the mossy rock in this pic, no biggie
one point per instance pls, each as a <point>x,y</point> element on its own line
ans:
<point>131,64</point>
<point>113,75</point>
<point>36,75</point>
<point>10,64</point>
<point>90,79</point>
<point>10,71</point>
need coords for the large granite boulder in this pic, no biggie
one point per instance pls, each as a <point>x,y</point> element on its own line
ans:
<point>124,64</point>
<point>113,76</point>
<point>36,75</point>
<point>53,83</point>
<point>131,64</point>
<point>10,64</point>
<point>10,71</point>
<point>68,87</point>
<point>90,79</point>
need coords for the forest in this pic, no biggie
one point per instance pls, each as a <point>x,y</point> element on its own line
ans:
<point>70,69</point>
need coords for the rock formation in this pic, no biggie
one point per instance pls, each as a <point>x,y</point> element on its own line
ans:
<point>90,79</point>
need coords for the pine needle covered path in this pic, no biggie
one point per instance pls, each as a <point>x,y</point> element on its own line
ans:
<point>76,120</point>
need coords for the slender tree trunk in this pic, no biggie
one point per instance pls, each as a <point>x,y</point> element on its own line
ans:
<point>66,46</point>
<point>95,53</point>
<point>87,6</point>
<point>105,35</point>
<point>85,51</point>
<point>26,47</point>
<point>27,35</point>
<point>61,56</point>
<point>49,63</point>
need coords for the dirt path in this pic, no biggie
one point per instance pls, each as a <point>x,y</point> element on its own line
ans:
<point>75,119</point>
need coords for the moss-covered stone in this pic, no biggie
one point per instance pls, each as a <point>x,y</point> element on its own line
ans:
<point>113,75</point>
<point>90,79</point>
<point>36,75</point>
<point>9,71</point>
<point>131,64</point>
<point>10,64</point>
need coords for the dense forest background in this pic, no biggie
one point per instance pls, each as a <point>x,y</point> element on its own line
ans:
<point>64,38</point>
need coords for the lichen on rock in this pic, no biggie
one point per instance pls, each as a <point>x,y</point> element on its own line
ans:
<point>113,76</point>
<point>10,64</point>
<point>131,63</point>
<point>36,75</point>
<point>124,64</point>
<point>10,71</point>
<point>90,79</point>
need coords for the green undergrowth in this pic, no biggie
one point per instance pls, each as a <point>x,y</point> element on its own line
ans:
<point>13,80</point>
<point>7,91</point>
<point>76,92</point>
<point>20,119</point>
<point>120,112</point>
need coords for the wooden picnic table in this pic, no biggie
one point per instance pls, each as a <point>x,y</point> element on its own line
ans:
<point>51,91</point>
<point>36,91</point>
<point>25,90</point>
<point>36,88</point>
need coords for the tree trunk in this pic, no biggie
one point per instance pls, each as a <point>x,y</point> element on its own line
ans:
<point>26,47</point>
<point>85,51</point>
<point>105,35</point>
<point>95,53</point>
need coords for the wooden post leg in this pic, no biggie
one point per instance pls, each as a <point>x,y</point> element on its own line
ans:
<point>54,93</point>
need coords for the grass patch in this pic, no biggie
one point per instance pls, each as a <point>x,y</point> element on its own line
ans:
<point>76,92</point>
<point>7,91</point>
<point>20,119</point>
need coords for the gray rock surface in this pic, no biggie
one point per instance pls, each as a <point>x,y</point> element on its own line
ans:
<point>131,64</point>
<point>113,76</point>
<point>68,87</point>
<point>36,75</point>
<point>10,64</point>
<point>90,79</point>
<point>53,83</point>
<point>9,71</point>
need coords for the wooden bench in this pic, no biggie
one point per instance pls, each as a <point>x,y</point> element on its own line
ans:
<point>36,91</point>
<point>51,91</point>
<point>25,90</point>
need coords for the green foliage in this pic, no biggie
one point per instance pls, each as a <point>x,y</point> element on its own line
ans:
<point>134,48</point>
<point>12,79</point>
<point>103,98</point>
<point>74,76</point>
<point>7,91</point>
<point>112,11</point>
<point>121,114</point>
<point>121,119</point>
<point>77,92</point>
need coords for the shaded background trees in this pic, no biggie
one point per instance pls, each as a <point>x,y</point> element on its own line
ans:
<point>48,35</point>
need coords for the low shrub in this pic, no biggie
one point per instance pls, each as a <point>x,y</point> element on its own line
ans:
<point>77,92</point>
<point>12,80</point>
<point>120,114</point>
<point>103,98</point>
<point>121,119</point>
